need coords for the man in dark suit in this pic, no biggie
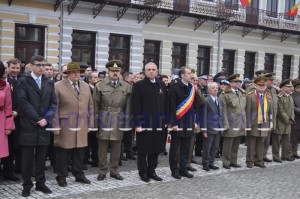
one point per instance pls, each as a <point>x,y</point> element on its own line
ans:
<point>37,96</point>
<point>13,70</point>
<point>213,126</point>
<point>149,106</point>
<point>91,150</point>
<point>184,102</point>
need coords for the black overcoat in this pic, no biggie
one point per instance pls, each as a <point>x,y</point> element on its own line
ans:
<point>35,104</point>
<point>149,109</point>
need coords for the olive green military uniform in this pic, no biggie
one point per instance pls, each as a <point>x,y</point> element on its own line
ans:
<point>234,105</point>
<point>258,132</point>
<point>274,100</point>
<point>283,127</point>
<point>112,109</point>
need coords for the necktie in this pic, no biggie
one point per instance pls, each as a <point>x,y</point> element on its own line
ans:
<point>38,81</point>
<point>237,92</point>
<point>114,83</point>
<point>75,88</point>
<point>217,104</point>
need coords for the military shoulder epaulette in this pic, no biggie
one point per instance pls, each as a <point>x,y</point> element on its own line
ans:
<point>242,90</point>
<point>227,90</point>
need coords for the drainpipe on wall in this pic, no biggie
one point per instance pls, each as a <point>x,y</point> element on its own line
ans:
<point>219,49</point>
<point>61,32</point>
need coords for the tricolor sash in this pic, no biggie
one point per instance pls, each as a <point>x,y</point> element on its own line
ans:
<point>262,107</point>
<point>185,106</point>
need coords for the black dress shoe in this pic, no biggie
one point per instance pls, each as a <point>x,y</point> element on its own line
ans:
<point>206,168</point>
<point>83,180</point>
<point>235,165</point>
<point>61,181</point>
<point>261,165</point>
<point>192,169</point>
<point>144,178</point>
<point>267,160</point>
<point>11,177</point>
<point>26,192</point>
<point>226,166</point>
<point>130,157</point>
<point>95,164</point>
<point>165,153</point>
<point>198,154</point>
<point>186,174</point>
<point>176,175</point>
<point>288,159</point>
<point>101,177</point>
<point>213,167</point>
<point>296,156</point>
<point>155,177</point>
<point>117,177</point>
<point>277,160</point>
<point>44,189</point>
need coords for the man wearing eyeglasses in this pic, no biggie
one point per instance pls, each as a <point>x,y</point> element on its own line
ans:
<point>38,101</point>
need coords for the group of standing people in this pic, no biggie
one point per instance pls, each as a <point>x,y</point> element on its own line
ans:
<point>72,110</point>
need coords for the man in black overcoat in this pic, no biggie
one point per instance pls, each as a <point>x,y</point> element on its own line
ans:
<point>37,100</point>
<point>149,109</point>
<point>183,127</point>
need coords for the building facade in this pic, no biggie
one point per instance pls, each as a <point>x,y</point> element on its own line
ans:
<point>203,34</point>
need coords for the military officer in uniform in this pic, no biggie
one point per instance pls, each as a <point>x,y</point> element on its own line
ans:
<point>112,105</point>
<point>296,127</point>
<point>234,105</point>
<point>273,96</point>
<point>251,86</point>
<point>258,110</point>
<point>285,119</point>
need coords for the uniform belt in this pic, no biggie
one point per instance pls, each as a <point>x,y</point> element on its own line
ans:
<point>111,109</point>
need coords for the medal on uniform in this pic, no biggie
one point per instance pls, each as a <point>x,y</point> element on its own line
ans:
<point>11,87</point>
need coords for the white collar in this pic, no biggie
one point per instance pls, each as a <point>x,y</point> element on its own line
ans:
<point>214,98</point>
<point>234,90</point>
<point>35,77</point>
<point>187,84</point>
<point>92,86</point>
<point>152,80</point>
<point>73,82</point>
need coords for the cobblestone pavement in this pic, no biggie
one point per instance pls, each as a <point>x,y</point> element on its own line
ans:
<point>276,181</point>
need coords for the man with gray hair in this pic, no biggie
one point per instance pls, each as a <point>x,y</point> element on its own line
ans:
<point>213,125</point>
<point>149,106</point>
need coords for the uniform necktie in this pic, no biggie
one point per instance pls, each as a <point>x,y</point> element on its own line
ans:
<point>216,102</point>
<point>75,88</point>
<point>114,83</point>
<point>38,81</point>
<point>237,92</point>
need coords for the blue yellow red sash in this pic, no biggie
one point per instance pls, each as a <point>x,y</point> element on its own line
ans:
<point>185,106</point>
